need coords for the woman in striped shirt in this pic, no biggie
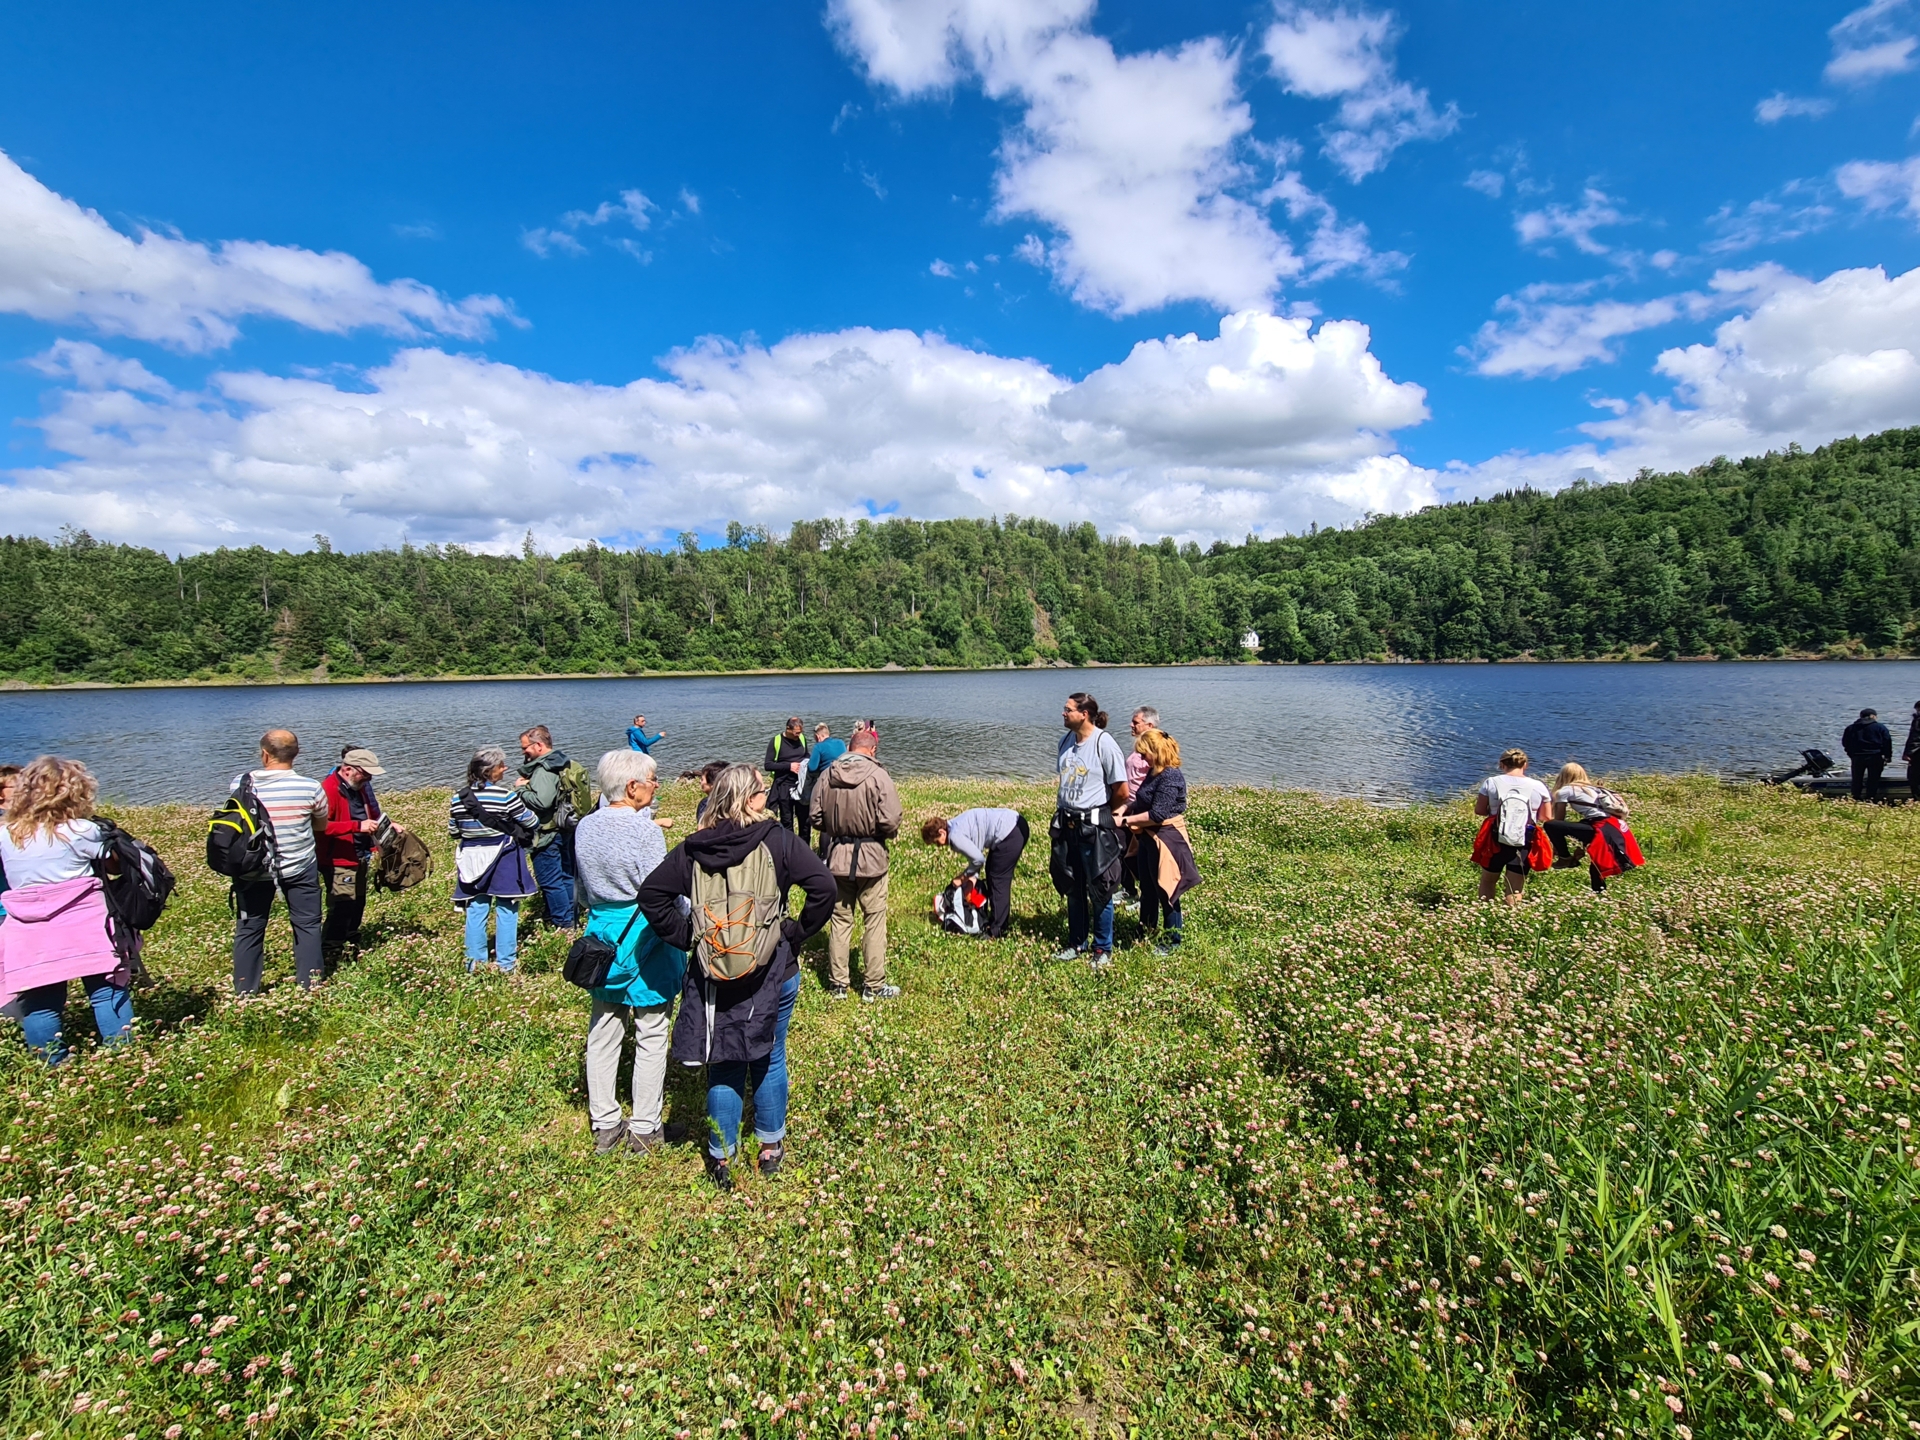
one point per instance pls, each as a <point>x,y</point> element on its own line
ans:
<point>493,826</point>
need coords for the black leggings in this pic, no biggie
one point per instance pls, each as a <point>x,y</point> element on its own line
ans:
<point>1001,860</point>
<point>1561,831</point>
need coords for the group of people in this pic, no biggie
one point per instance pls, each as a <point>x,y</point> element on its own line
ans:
<point>1529,826</point>
<point>1869,749</point>
<point>700,942</point>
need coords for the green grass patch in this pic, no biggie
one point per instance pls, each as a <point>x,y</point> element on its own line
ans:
<point>1366,1158</point>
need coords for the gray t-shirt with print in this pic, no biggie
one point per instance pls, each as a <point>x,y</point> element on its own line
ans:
<point>1087,768</point>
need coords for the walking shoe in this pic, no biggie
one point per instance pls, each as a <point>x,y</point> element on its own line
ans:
<point>675,1132</point>
<point>836,992</point>
<point>642,1141</point>
<point>1166,948</point>
<point>1565,863</point>
<point>880,992</point>
<point>1100,959</point>
<point>718,1172</point>
<point>770,1158</point>
<point>1072,952</point>
<point>607,1139</point>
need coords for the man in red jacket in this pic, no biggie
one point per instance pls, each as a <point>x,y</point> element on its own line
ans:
<point>353,815</point>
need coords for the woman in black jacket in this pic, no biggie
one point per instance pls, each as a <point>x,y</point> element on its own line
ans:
<point>738,1028</point>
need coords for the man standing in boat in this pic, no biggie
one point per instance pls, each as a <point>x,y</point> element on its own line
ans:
<point>1869,746</point>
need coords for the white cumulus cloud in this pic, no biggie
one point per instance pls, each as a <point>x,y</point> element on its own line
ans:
<point>1882,184</point>
<point>1806,361</point>
<point>62,263</point>
<point>1328,53</point>
<point>1780,105</point>
<point>1131,161</point>
<point>1869,45</point>
<point>1554,222</point>
<point>1549,334</point>
<point>1264,426</point>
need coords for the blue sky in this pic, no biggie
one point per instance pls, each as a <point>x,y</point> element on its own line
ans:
<point>374,271</point>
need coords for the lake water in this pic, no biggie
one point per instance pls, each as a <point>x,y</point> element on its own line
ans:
<point>1384,732</point>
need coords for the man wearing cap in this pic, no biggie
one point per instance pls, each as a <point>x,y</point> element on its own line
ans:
<point>1869,745</point>
<point>353,816</point>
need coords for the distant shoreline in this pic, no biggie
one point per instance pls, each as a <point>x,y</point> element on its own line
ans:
<point>234,682</point>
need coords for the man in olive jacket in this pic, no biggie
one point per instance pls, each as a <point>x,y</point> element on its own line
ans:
<point>857,811</point>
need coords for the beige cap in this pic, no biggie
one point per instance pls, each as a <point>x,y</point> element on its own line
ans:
<point>363,760</point>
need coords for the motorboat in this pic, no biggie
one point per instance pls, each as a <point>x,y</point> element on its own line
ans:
<point>1819,774</point>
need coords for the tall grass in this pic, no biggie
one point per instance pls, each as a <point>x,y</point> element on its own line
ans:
<point>1365,1159</point>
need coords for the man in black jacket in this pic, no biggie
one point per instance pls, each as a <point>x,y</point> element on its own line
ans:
<point>738,1028</point>
<point>786,765</point>
<point>1869,746</point>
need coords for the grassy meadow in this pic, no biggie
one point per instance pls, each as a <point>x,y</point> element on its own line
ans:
<point>1365,1159</point>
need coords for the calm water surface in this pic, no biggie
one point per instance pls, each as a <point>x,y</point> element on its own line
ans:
<point>1384,732</point>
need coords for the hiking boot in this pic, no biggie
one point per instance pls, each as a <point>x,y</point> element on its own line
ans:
<point>1072,952</point>
<point>836,992</point>
<point>771,1157</point>
<point>642,1142</point>
<point>1100,960</point>
<point>718,1173</point>
<point>880,992</point>
<point>1565,863</point>
<point>675,1132</point>
<point>607,1139</point>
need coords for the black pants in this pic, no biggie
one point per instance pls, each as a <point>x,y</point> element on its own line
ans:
<point>253,903</point>
<point>1153,900</point>
<point>346,906</point>
<point>1866,776</point>
<point>792,814</point>
<point>1561,831</point>
<point>1001,861</point>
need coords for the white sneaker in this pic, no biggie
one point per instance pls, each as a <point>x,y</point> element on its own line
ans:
<point>1072,952</point>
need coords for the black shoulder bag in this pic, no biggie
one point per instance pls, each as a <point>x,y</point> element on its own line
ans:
<point>591,959</point>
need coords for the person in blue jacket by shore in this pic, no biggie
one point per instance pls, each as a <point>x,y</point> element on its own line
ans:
<point>638,739</point>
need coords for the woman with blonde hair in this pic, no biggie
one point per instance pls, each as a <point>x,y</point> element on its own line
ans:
<point>737,1028</point>
<point>1162,855</point>
<point>1596,817</point>
<point>56,926</point>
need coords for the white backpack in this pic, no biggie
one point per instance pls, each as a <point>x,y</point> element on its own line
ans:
<point>1513,816</point>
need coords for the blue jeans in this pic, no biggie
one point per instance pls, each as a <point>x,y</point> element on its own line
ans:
<point>1078,905</point>
<point>506,931</point>
<point>553,868</point>
<point>112,1013</point>
<point>727,1087</point>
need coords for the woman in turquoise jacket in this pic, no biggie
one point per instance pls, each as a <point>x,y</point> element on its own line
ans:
<point>615,848</point>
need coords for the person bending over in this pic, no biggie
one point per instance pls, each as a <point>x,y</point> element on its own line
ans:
<point>992,840</point>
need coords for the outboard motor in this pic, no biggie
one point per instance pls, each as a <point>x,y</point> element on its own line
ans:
<point>1813,762</point>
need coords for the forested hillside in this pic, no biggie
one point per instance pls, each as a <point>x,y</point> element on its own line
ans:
<point>1795,553</point>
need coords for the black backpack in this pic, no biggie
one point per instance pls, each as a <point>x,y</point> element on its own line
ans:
<point>136,884</point>
<point>240,836</point>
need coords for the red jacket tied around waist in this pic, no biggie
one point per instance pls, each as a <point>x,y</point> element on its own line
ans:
<point>1486,849</point>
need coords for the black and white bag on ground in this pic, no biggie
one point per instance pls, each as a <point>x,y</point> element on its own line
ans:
<point>961,908</point>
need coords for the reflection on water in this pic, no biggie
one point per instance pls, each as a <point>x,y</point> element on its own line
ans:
<point>1383,732</point>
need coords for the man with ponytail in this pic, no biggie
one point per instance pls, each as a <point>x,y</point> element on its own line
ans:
<point>1087,847</point>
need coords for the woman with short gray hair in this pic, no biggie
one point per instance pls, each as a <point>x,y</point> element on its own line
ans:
<point>492,876</point>
<point>614,849</point>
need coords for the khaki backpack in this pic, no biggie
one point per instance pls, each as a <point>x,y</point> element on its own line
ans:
<point>736,916</point>
<point>403,861</point>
